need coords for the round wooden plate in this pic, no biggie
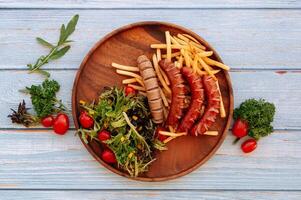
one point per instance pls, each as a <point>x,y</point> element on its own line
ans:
<point>123,46</point>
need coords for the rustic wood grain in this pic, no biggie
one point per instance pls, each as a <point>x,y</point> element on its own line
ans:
<point>245,39</point>
<point>43,160</point>
<point>280,88</point>
<point>152,194</point>
<point>149,4</point>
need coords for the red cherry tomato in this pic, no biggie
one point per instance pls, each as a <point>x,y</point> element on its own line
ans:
<point>47,121</point>
<point>61,124</point>
<point>249,145</point>
<point>240,128</point>
<point>160,136</point>
<point>85,120</point>
<point>129,90</point>
<point>108,156</point>
<point>104,135</point>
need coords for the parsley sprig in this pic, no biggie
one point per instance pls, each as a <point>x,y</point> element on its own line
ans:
<point>56,51</point>
<point>259,114</point>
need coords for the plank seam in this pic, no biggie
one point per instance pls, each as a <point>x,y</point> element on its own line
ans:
<point>151,8</point>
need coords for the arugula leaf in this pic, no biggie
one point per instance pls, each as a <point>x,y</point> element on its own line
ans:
<point>66,32</point>
<point>60,53</point>
<point>57,51</point>
<point>44,43</point>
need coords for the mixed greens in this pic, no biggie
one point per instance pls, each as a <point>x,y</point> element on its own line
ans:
<point>128,119</point>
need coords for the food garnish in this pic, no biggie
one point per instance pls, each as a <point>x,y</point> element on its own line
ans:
<point>56,50</point>
<point>253,118</point>
<point>249,145</point>
<point>43,96</point>
<point>21,116</point>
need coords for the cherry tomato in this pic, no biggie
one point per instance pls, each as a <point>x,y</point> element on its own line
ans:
<point>129,90</point>
<point>47,121</point>
<point>158,135</point>
<point>104,135</point>
<point>240,128</point>
<point>108,156</point>
<point>249,145</point>
<point>85,120</point>
<point>61,124</point>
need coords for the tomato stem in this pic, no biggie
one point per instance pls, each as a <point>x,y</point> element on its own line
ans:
<point>236,140</point>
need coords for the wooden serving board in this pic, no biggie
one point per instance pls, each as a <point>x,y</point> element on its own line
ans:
<point>123,46</point>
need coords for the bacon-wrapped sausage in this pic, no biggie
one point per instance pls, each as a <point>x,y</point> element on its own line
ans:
<point>178,93</point>
<point>212,108</point>
<point>152,88</point>
<point>197,98</point>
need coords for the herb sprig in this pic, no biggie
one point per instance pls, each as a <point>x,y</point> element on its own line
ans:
<point>56,51</point>
<point>43,98</point>
<point>259,114</point>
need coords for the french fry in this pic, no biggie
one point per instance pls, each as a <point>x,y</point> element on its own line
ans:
<point>163,98</point>
<point>164,46</point>
<point>186,58</point>
<point>158,51</point>
<point>170,128</point>
<point>195,64</point>
<point>129,80</point>
<point>125,67</point>
<point>211,133</point>
<point>174,41</point>
<point>206,67</point>
<point>187,40</point>
<point>140,82</point>
<point>165,113</point>
<point>205,54</point>
<point>191,38</point>
<point>175,54</point>
<point>168,139</point>
<point>180,61</point>
<point>137,87</point>
<point>168,46</point>
<point>172,134</point>
<point>181,42</point>
<point>156,66</point>
<point>164,76</point>
<point>209,61</point>
<point>222,108</point>
<point>127,73</point>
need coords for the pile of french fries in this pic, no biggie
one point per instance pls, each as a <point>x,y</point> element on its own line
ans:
<point>184,50</point>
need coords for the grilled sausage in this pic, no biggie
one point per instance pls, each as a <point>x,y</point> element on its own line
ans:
<point>152,88</point>
<point>178,93</point>
<point>197,98</point>
<point>212,109</point>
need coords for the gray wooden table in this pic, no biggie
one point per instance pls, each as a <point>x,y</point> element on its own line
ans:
<point>260,40</point>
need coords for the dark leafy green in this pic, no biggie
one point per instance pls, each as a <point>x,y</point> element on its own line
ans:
<point>259,114</point>
<point>56,51</point>
<point>21,116</point>
<point>43,98</point>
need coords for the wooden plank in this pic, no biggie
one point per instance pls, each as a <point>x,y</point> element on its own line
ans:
<point>43,160</point>
<point>282,89</point>
<point>153,194</point>
<point>149,4</point>
<point>257,39</point>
